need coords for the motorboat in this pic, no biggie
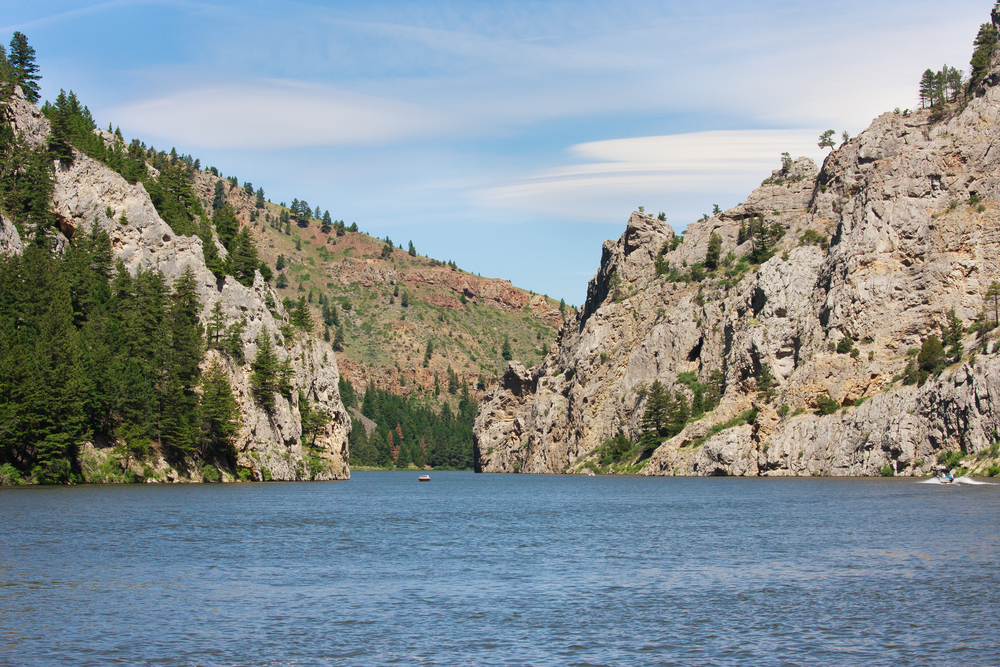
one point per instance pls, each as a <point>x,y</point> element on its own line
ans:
<point>424,478</point>
<point>943,475</point>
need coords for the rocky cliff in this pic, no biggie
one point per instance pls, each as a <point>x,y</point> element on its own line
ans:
<point>899,227</point>
<point>269,445</point>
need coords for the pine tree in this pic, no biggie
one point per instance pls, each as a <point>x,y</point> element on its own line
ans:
<point>327,225</point>
<point>23,68</point>
<point>264,380</point>
<point>243,260</point>
<point>826,139</point>
<point>181,369</point>
<point>216,325</point>
<point>411,251</point>
<point>301,317</point>
<point>226,226</point>
<point>219,196</point>
<point>714,252</point>
<point>338,339</point>
<point>952,333</point>
<point>993,292</point>
<point>220,415</point>
<point>926,88</point>
<point>655,416</point>
<point>982,56</point>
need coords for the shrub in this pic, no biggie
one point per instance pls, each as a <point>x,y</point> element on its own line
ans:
<point>826,405</point>
<point>210,473</point>
<point>887,471</point>
<point>615,449</point>
<point>950,459</point>
<point>10,476</point>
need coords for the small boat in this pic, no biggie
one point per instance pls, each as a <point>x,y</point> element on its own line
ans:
<point>943,475</point>
<point>424,478</point>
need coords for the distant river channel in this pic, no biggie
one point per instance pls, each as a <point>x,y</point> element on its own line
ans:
<point>502,570</point>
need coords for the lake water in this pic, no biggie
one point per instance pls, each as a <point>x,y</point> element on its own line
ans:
<point>502,570</point>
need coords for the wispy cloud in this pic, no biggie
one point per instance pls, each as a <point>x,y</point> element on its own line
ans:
<point>277,114</point>
<point>608,171</point>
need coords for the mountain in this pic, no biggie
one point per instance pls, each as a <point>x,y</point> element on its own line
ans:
<point>841,321</point>
<point>120,231</point>
<point>89,197</point>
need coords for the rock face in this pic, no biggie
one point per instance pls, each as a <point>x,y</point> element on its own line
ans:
<point>899,227</point>
<point>270,445</point>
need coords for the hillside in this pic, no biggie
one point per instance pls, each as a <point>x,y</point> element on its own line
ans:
<point>160,371</point>
<point>465,317</point>
<point>203,322</point>
<point>841,321</point>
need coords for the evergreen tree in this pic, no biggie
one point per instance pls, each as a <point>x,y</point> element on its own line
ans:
<point>931,358</point>
<point>216,325</point>
<point>181,373</point>
<point>219,196</point>
<point>826,139</point>
<point>952,333</point>
<point>714,252</point>
<point>993,293</point>
<point>505,350</point>
<point>927,85</point>
<point>338,339</point>
<point>982,56</point>
<point>265,379</point>
<point>243,259</point>
<point>226,226</point>
<point>312,419</point>
<point>655,416</point>
<point>327,225</point>
<point>301,317</point>
<point>411,251</point>
<point>23,67</point>
<point>220,416</point>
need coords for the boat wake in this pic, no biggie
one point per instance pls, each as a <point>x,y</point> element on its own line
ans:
<point>958,480</point>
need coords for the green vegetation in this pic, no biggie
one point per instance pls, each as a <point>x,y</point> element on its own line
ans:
<point>411,431</point>
<point>982,56</point>
<point>930,360</point>
<point>940,88</point>
<point>950,459</point>
<point>92,352</point>
<point>665,415</point>
<point>826,405</point>
<point>748,417</point>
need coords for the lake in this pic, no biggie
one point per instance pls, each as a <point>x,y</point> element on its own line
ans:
<point>502,570</point>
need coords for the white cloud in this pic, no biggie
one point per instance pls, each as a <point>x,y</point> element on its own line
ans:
<point>624,171</point>
<point>276,114</point>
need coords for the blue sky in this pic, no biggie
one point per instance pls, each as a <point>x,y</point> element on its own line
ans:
<point>512,137</point>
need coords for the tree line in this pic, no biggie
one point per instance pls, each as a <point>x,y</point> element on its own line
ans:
<point>89,352</point>
<point>410,430</point>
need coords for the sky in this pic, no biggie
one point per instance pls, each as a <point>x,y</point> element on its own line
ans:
<point>512,137</point>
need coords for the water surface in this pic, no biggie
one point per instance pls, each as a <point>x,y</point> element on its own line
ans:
<point>502,570</point>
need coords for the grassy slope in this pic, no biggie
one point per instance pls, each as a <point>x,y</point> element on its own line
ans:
<point>385,342</point>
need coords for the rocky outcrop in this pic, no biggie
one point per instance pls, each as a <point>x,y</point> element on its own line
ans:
<point>899,227</point>
<point>88,194</point>
<point>10,239</point>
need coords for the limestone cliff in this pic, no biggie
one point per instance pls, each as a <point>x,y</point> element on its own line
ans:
<point>87,193</point>
<point>900,226</point>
